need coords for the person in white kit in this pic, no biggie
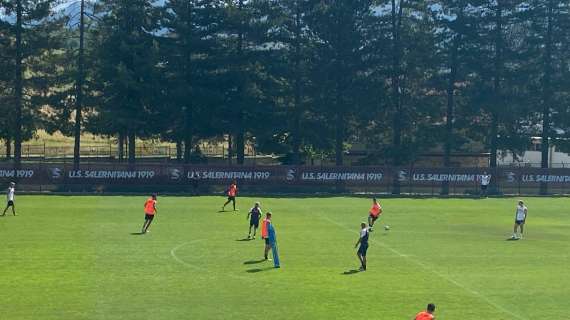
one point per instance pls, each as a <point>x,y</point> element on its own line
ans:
<point>520,218</point>
<point>10,198</point>
<point>485,180</point>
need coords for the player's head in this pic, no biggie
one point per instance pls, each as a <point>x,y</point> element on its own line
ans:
<point>363,225</point>
<point>521,202</point>
<point>268,215</point>
<point>374,200</point>
<point>12,184</point>
<point>234,181</point>
<point>153,196</point>
<point>430,308</point>
<point>257,204</point>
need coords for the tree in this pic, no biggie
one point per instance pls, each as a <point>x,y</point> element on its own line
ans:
<point>190,50</point>
<point>29,24</point>
<point>127,71</point>
<point>339,28</point>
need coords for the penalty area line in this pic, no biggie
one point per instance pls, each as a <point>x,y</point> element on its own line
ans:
<point>432,270</point>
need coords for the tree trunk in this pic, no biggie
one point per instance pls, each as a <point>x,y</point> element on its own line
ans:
<point>19,85</point>
<point>498,101</point>
<point>179,150</point>
<point>132,146</point>
<point>449,139</point>
<point>547,96</point>
<point>8,148</point>
<point>240,131</point>
<point>187,149</point>
<point>230,149</point>
<point>79,89</point>
<point>297,95</point>
<point>120,146</point>
<point>240,145</point>
<point>396,20</point>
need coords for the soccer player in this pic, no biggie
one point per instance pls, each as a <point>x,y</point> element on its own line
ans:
<point>374,213</point>
<point>149,212</point>
<point>428,314</point>
<point>363,242</point>
<point>265,234</point>
<point>10,199</point>
<point>232,193</point>
<point>520,218</point>
<point>253,215</point>
<point>485,180</point>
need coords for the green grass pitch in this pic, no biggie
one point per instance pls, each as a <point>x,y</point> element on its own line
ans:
<point>75,258</point>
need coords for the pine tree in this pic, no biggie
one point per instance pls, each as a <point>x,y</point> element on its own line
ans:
<point>127,72</point>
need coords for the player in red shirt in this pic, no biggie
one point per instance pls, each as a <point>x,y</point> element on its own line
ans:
<point>232,193</point>
<point>375,213</point>
<point>428,314</point>
<point>149,212</point>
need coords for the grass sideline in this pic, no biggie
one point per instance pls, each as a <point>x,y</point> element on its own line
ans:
<point>76,257</point>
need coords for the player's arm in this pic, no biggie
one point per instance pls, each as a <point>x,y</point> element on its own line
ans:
<point>358,242</point>
<point>525,214</point>
<point>248,214</point>
<point>154,207</point>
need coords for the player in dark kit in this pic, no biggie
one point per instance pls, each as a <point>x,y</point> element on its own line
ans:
<point>363,242</point>
<point>10,199</point>
<point>253,216</point>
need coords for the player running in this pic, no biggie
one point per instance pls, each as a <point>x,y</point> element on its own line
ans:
<point>149,212</point>
<point>254,215</point>
<point>265,234</point>
<point>232,193</point>
<point>520,218</point>
<point>363,242</point>
<point>428,314</point>
<point>374,214</point>
<point>10,199</point>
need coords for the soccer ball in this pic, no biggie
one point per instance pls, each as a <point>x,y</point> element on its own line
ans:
<point>386,228</point>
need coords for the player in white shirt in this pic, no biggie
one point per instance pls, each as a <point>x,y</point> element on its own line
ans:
<point>10,199</point>
<point>485,180</point>
<point>520,218</point>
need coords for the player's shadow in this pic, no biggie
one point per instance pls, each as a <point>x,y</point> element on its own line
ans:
<point>256,270</point>
<point>254,261</point>
<point>350,272</point>
<point>512,239</point>
<point>136,233</point>
<point>244,239</point>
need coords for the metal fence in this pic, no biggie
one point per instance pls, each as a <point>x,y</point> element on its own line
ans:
<point>110,152</point>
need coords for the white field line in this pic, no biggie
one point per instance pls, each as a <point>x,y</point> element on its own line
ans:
<point>193,266</point>
<point>432,270</point>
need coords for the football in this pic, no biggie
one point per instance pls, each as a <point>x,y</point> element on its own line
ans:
<point>386,227</point>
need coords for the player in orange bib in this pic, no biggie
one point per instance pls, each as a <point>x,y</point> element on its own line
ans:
<point>375,213</point>
<point>265,234</point>
<point>428,314</point>
<point>149,212</point>
<point>232,193</point>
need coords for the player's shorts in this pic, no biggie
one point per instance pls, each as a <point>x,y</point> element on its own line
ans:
<point>266,240</point>
<point>519,222</point>
<point>374,218</point>
<point>362,250</point>
<point>148,216</point>
<point>10,203</point>
<point>483,187</point>
<point>254,223</point>
<point>231,198</point>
